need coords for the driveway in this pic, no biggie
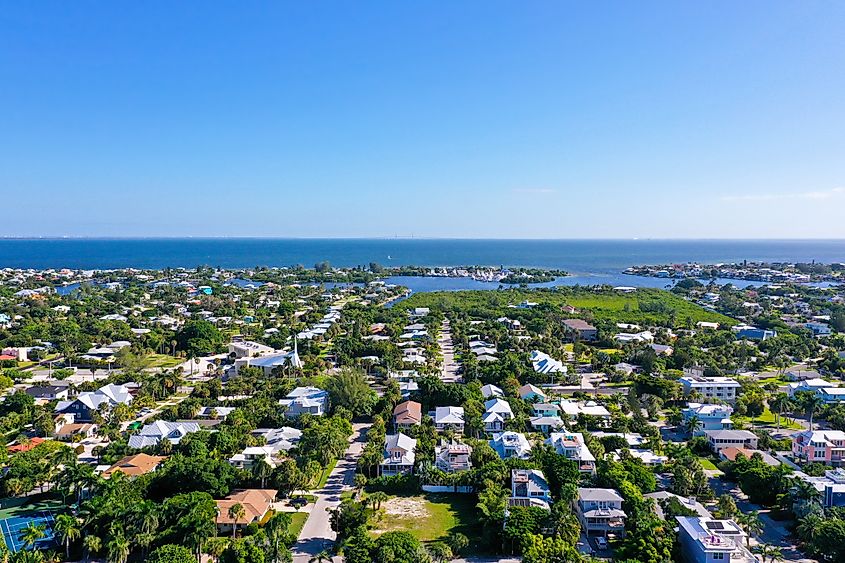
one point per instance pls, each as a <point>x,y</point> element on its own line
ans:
<point>317,534</point>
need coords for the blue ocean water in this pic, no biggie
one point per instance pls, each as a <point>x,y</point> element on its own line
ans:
<point>580,257</point>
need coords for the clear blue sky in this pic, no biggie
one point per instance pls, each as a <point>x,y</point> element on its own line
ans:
<point>442,119</point>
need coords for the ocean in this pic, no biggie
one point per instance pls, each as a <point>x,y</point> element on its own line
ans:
<point>576,256</point>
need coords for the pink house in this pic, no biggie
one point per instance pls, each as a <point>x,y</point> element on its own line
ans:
<point>825,446</point>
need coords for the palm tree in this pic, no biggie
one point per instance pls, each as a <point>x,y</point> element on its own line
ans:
<point>813,403</point>
<point>377,498</point>
<point>360,482</point>
<point>774,552</point>
<point>236,512</point>
<point>691,424</point>
<point>322,557</point>
<point>67,528</point>
<point>779,403</point>
<point>751,523</point>
<point>118,549</point>
<point>92,544</point>
<point>262,471</point>
<point>32,533</point>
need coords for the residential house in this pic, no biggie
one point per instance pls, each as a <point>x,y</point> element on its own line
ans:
<point>529,488</point>
<point>580,329</point>
<point>747,332</point>
<point>305,400</point>
<point>710,417</point>
<point>600,512</point>
<point>571,445</point>
<point>490,390</point>
<point>86,403</point>
<point>545,364</point>
<point>706,540</point>
<point>730,454</point>
<point>497,413</point>
<point>511,444</point>
<point>256,504</point>
<point>398,455</point>
<point>153,433</point>
<point>452,456</point>
<point>449,418</point>
<point>532,393</point>
<point>135,465</point>
<point>824,446</point>
<point>589,409</point>
<point>831,486</point>
<point>721,439</point>
<point>545,409</point>
<point>80,430</point>
<point>546,424</point>
<point>281,439</point>
<point>813,384</point>
<point>407,414</point>
<point>252,455</point>
<point>831,395</point>
<point>48,392</point>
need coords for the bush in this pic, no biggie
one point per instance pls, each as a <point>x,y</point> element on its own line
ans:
<point>395,484</point>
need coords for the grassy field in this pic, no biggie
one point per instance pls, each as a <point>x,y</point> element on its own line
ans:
<point>163,361</point>
<point>429,517</point>
<point>297,521</point>
<point>645,305</point>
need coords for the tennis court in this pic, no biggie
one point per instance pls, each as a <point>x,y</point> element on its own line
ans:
<point>13,527</point>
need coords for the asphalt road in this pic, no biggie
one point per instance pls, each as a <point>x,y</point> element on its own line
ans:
<point>449,373</point>
<point>317,534</point>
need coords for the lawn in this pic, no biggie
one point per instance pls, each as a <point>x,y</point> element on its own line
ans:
<point>325,476</point>
<point>707,464</point>
<point>297,521</point>
<point>768,419</point>
<point>429,517</point>
<point>163,361</point>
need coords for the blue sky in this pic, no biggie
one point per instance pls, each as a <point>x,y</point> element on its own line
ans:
<point>445,119</point>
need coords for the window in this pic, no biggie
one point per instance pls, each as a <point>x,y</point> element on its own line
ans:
<point>718,556</point>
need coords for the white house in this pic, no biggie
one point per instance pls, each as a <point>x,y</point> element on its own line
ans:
<point>155,432</point>
<point>511,444</point>
<point>302,400</point>
<point>398,455</point>
<point>449,418</point>
<point>721,439</point>
<point>705,540</point>
<point>545,364</point>
<point>490,390</point>
<point>813,385</point>
<point>497,413</point>
<point>571,445</point>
